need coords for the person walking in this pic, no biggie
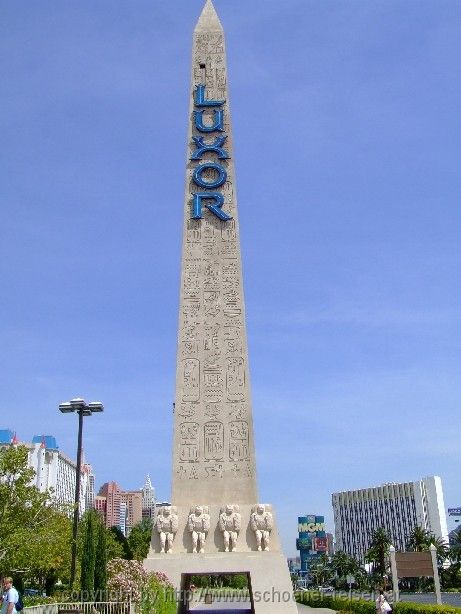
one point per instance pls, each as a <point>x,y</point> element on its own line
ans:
<point>10,597</point>
<point>382,604</point>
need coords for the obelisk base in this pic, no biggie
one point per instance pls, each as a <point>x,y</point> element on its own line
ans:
<point>271,588</point>
<point>268,574</point>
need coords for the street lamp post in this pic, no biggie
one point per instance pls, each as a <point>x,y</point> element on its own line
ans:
<point>83,409</point>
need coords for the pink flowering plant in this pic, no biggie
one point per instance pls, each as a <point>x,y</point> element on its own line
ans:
<point>151,592</point>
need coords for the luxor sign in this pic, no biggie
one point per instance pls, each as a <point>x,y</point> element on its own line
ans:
<point>211,198</point>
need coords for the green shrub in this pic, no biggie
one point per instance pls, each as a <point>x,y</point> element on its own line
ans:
<point>339,604</point>
<point>32,600</point>
<point>418,608</point>
<point>362,606</point>
<point>158,596</point>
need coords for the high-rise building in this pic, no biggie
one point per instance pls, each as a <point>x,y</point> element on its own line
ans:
<point>54,471</point>
<point>454,518</point>
<point>125,508</point>
<point>148,499</point>
<point>90,491</point>
<point>123,517</point>
<point>132,499</point>
<point>112,494</point>
<point>398,508</point>
<point>100,505</point>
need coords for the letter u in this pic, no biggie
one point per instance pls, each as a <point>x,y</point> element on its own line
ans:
<point>217,125</point>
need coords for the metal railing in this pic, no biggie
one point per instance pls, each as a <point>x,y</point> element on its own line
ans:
<point>107,607</point>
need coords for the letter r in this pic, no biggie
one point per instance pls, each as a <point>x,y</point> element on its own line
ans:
<point>215,208</point>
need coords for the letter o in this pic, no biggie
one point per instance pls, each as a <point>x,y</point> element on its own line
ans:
<point>216,183</point>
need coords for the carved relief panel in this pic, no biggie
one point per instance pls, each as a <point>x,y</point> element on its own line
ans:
<point>189,442</point>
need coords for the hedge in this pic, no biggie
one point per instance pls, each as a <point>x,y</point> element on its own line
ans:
<point>362,606</point>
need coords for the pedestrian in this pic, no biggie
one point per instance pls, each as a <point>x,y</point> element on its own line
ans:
<point>382,604</point>
<point>10,597</point>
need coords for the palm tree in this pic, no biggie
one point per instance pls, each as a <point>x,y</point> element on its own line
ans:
<point>455,548</point>
<point>341,563</point>
<point>378,552</point>
<point>419,540</point>
<point>345,565</point>
<point>441,548</point>
<point>321,570</point>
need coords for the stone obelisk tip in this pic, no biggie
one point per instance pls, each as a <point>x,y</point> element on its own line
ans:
<point>208,20</point>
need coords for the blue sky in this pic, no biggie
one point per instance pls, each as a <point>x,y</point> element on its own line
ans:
<point>347,148</point>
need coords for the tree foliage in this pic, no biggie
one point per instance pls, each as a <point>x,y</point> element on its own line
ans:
<point>344,565</point>
<point>122,540</point>
<point>35,533</point>
<point>139,539</point>
<point>88,560</point>
<point>100,567</point>
<point>321,570</point>
<point>420,540</point>
<point>377,554</point>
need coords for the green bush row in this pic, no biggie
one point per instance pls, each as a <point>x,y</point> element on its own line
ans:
<point>361,606</point>
<point>403,607</point>
<point>38,600</point>
<point>317,600</point>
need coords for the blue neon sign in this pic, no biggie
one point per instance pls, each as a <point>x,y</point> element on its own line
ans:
<point>212,200</point>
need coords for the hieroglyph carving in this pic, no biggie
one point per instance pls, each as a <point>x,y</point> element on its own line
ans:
<point>214,440</point>
<point>167,527</point>
<point>261,522</point>
<point>199,525</point>
<point>191,379</point>
<point>235,379</point>
<point>230,522</point>
<point>239,440</point>
<point>189,442</point>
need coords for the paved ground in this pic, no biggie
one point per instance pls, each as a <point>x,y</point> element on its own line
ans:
<point>305,609</point>
<point>447,598</point>
<point>242,608</point>
<point>222,608</point>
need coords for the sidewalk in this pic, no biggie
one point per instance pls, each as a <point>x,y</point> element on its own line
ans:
<point>305,609</point>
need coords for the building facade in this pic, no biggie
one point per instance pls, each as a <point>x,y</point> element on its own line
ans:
<point>109,499</point>
<point>148,499</point>
<point>132,502</point>
<point>54,471</point>
<point>90,487</point>
<point>100,505</point>
<point>398,508</point>
<point>124,508</point>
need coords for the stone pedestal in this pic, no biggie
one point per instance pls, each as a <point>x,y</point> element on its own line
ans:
<point>271,588</point>
<point>270,585</point>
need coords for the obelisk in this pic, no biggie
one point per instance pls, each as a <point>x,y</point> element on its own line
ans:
<point>213,453</point>
<point>215,523</point>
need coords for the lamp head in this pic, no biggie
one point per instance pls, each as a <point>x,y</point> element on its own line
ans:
<point>96,406</point>
<point>66,408</point>
<point>77,403</point>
